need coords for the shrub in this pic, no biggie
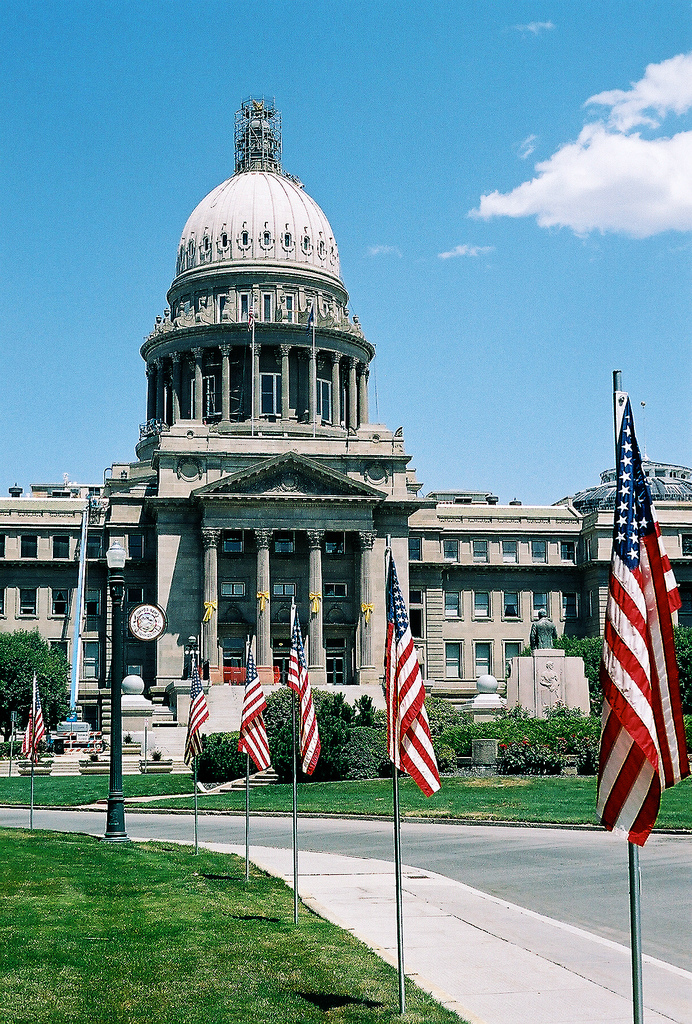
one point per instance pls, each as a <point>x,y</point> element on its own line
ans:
<point>683,652</point>
<point>446,758</point>
<point>588,750</point>
<point>333,715</point>
<point>459,736</point>
<point>527,758</point>
<point>366,754</point>
<point>220,760</point>
<point>441,714</point>
<point>688,731</point>
<point>365,712</point>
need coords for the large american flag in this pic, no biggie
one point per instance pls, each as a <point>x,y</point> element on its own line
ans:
<point>298,681</point>
<point>35,729</point>
<point>643,746</point>
<point>408,729</point>
<point>199,713</point>
<point>253,734</point>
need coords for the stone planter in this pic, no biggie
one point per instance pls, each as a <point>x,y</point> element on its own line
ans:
<point>39,769</point>
<point>94,767</point>
<point>484,753</point>
<point>570,765</point>
<point>132,748</point>
<point>156,767</point>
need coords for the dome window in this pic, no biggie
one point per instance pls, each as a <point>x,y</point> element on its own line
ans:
<point>224,240</point>
<point>288,240</point>
<point>321,248</point>
<point>245,238</point>
<point>267,239</point>
<point>306,244</point>
<point>191,252</point>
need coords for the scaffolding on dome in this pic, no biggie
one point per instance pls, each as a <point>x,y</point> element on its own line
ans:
<point>258,136</point>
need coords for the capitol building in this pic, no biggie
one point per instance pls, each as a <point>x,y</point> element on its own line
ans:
<point>259,480</point>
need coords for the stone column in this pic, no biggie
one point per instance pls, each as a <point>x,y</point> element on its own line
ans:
<point>363,393</point>
<point>264,644</point>
<point>210,590</point>
<point>367,672</point>
<point>225,382</point>
<point>316,654</point>
<point>258,390</point>
<point>160,393</point>
<point>177,385</point>
<point>151,391</point>
<point>197,352</point>
<point>285,351</point>
<point>336,389</point>
<point>352,394</point>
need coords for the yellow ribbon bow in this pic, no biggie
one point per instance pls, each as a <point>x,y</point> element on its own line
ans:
<point>367,610</point>
<point>262,597</point>
<point>315,603</point>
<point>209,609</point>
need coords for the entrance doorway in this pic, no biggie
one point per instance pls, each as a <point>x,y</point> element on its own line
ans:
<point>233,648</point>
<point>336,662</point>
<point>281,650</point>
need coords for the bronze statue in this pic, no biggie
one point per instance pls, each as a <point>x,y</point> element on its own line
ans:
<point>543,633</point>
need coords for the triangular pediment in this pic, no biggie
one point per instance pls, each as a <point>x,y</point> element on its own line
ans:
<point>290,476</point>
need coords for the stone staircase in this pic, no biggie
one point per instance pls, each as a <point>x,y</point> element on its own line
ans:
<point>264,778</point>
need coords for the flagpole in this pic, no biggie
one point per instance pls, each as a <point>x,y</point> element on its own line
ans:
<point>196,840</point>
<point>295,787</point>
<point>314,375</point>
<point>252,372</point>
<point>397,840</point>
<point>32,750</point>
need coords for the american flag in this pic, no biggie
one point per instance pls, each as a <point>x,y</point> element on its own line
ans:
<point>408,730</point>
<point>311,318</point>
<point>298,681</point>
<point>253,734</point>
<point>250,313</point>
<point>199,713</point>
<point>643,746</point>
<point>35,729</point>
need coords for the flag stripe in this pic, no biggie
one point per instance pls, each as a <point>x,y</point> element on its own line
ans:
<point>253,733</point>
<point>298,681</point>
<point>197,715</point>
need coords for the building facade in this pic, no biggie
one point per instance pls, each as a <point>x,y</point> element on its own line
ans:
<point>259,481</point>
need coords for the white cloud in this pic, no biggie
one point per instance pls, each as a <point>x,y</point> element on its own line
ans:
<point>535,27</point>
<point>384,250</point>
<point>612,180</point>
<point>527,147</point>
<point>466,250</point>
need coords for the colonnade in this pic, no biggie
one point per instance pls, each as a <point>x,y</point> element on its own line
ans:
<point>314,631</point>
<point>166,378</point>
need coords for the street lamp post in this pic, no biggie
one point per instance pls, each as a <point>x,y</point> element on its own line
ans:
<point>115,818</point>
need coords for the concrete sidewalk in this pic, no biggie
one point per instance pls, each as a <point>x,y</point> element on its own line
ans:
<point>488,960</point>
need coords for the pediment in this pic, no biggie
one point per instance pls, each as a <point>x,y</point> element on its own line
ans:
<point>289,476</point>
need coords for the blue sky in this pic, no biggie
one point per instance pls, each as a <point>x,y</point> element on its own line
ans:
<point>506,243</point>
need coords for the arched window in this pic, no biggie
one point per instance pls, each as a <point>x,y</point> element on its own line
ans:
<point>306,243</point>
<point>288,240</point>
<point>267,239</point>
<point>245,238</point>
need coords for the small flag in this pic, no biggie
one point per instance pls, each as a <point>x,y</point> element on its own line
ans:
<point>311,317</point>
<point>199,713</point>
<point>643,747</point>
<point>408,730</point>
<point>35,729</point>
<point>251,313</point>
<point>298,681</point>
<point>253,734</point>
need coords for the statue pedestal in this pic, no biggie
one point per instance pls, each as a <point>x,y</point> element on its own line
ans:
<point>545,679</point>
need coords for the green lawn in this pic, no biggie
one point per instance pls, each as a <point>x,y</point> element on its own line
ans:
<point>151,934</point>
<point>494,798</point>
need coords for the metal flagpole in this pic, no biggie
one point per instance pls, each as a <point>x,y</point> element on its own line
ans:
<point>247,787</point>
<point>32,745</point>
<point>251,312</point>
<point>295,787</point>
<point>13,729</point>
<point>619,399</point>
<point>397,829</point>
<point>314,375</point>
<point>196,839</point>
<point>78,614</point>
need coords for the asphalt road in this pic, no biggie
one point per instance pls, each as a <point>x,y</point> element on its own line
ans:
<point>578,877</point>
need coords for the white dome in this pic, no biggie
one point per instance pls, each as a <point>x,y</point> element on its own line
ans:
<point>254,216</point>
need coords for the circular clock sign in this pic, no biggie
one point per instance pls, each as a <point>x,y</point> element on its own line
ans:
<point>147,622</point>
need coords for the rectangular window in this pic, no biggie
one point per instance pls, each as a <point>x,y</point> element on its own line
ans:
<point>512,650</point>
<point>686,598</point>
<point>415,611</point>
<point>334,543</point>
<point>569,606</point>
<point>284,542</point>
<point>482,661</point>
<point>415,545</point>
<point>567,550</point>
<point>452,605</point>
<point>235,589</point>
<point>539,551</point>
<point>90,659</point>
<point>539,603</point>
<point>266,307</point>
<point>589,603</point>
<point>61,545</point>
<point>2,545</point>
<point>284,590</point>
<point>687,544</point>
<point>233,542</point>
<point>450,550</point>
<point>271,394</point>
<point>209,396</point>
<point>92,604</point>
<point>135,595</point>
<point>27,601</point>
<point>290,309</point>
<point>481,605</point>
<point>480,551</point>
<point>2,600</point>
<point>244,307</point>
<point>93,545</point>
<point>135,545</point>
<point>509,551</point>
<point>324,400</point>
<point>336,590</point>
<point>29,545</point>
<point>59,602</point>
<point>510,604</point>
<point>452,661</point>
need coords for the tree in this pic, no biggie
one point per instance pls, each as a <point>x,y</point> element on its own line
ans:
<point>590,649</point>
<point>21,654</point>
<point>683,651</point>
